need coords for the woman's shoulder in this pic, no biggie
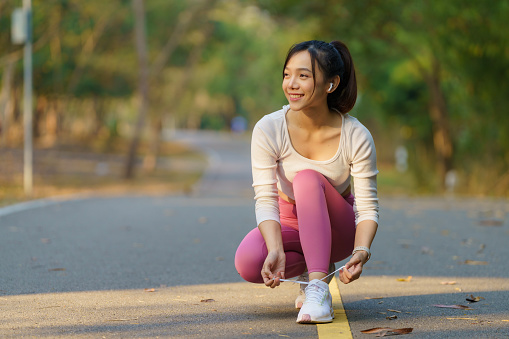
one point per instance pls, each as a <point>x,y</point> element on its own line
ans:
<point>354,127</point>
<point>272,121</point>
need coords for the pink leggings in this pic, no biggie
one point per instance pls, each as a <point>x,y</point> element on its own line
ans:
<point>318,230</point>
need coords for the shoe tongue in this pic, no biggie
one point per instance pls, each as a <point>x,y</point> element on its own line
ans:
<point>318,284</point>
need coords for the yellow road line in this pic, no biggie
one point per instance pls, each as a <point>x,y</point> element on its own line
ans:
<point>339,328</point>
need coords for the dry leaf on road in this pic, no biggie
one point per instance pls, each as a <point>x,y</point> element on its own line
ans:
<point>474,299</point>
<point>207,300</point>
<point>491,222</point>
<point>387,331</point>
<point>150,290</point>
<point>407,279</point>
<point>391,317</point>
<point>448,283</point>
<point>475,262</point>
<point>459,307</point>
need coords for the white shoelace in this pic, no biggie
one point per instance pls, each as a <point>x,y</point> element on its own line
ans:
<point>315,294</point>
<point>306,282</point>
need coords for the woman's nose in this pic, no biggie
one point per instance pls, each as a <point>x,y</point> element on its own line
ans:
<point>293,83</point>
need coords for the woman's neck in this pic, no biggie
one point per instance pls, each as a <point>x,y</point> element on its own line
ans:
<point>315,118</point>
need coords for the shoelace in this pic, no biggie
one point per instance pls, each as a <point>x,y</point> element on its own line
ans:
<point>315,294</point>
<point>306,282</point>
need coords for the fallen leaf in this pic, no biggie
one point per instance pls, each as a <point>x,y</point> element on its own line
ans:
<point>461,318</point>
<point>460,307</point>
<point>407,279</point>
<point>474,299</point>
<point>150,290</point>
<point>448,283</point>
<point>396,311</point>
<point>391,317</point>
<point>369,298</point>
<point>491,222</point>
<point>458,289</point>
<point>386,331</point>
<point>207,300</point>
<point>475,262</point>
<point>56,269</point>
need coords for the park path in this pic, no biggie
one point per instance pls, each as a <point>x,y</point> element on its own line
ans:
<point>141,266</point>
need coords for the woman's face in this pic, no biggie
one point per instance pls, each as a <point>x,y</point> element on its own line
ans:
<point>299,85</point>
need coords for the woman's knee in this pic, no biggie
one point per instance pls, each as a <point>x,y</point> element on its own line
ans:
<point>249,257</point>
<point>248,267</point>
<point>307,179</point>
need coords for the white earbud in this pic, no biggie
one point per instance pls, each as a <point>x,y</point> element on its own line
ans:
<point>331,84</point>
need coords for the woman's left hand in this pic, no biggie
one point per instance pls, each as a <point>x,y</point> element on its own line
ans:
<point>353,268</point>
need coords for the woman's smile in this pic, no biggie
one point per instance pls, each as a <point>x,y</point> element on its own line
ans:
<point>295,97</point>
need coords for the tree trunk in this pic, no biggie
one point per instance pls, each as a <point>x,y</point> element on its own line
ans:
<point>150,161</point>
<point>441,126</point>
<point>6,104</point>
<point>141,49</point>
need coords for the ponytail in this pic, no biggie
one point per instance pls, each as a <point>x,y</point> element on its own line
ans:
<point>344,97</point>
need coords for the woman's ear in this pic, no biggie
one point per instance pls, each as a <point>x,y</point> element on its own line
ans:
<point>334,84</point>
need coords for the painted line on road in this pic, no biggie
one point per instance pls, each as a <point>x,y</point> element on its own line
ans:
<point>38,203</point>
<point>339,328</point>
<point>24,206</point>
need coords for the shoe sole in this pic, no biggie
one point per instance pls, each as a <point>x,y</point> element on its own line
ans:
<point>306,319</point>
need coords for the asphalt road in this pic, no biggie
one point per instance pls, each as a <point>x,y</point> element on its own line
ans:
<point>140,266</point>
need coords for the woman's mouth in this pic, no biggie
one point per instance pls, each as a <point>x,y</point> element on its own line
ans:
<point>294,97</point>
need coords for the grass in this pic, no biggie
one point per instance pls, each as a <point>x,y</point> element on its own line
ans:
<point>97,168</point>
<point>390,182</point>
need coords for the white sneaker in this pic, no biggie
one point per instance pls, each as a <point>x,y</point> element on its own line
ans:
<point>302,292</point>
<point>318,305</point>
<point>305,277</point>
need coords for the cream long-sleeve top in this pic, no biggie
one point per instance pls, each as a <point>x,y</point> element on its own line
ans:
<point>275,163</point>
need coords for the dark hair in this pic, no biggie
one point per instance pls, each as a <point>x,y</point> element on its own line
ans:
<point>333,59</point>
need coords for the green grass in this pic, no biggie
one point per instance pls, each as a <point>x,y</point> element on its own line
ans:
<point>72,168</point>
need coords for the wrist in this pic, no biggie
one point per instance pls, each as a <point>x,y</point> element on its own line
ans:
<point>363,249</point>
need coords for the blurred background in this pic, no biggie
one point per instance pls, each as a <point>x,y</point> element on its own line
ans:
<point>113,79</point>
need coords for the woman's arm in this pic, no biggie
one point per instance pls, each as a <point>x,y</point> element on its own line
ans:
<point>274,265</point>
<point>364,236</point>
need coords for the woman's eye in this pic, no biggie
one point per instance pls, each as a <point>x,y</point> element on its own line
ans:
<point>304,76</point>
<point>285,75</point>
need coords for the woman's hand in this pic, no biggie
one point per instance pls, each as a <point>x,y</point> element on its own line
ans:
<point>274,267</point>
<point>353,268</point>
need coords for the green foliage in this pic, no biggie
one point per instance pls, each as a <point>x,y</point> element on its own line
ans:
<point>228,61</point>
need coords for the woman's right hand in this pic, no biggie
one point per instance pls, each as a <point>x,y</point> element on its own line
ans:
<point>274,268</point>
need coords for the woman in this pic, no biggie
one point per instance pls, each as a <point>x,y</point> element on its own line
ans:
<point>302,159</point>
